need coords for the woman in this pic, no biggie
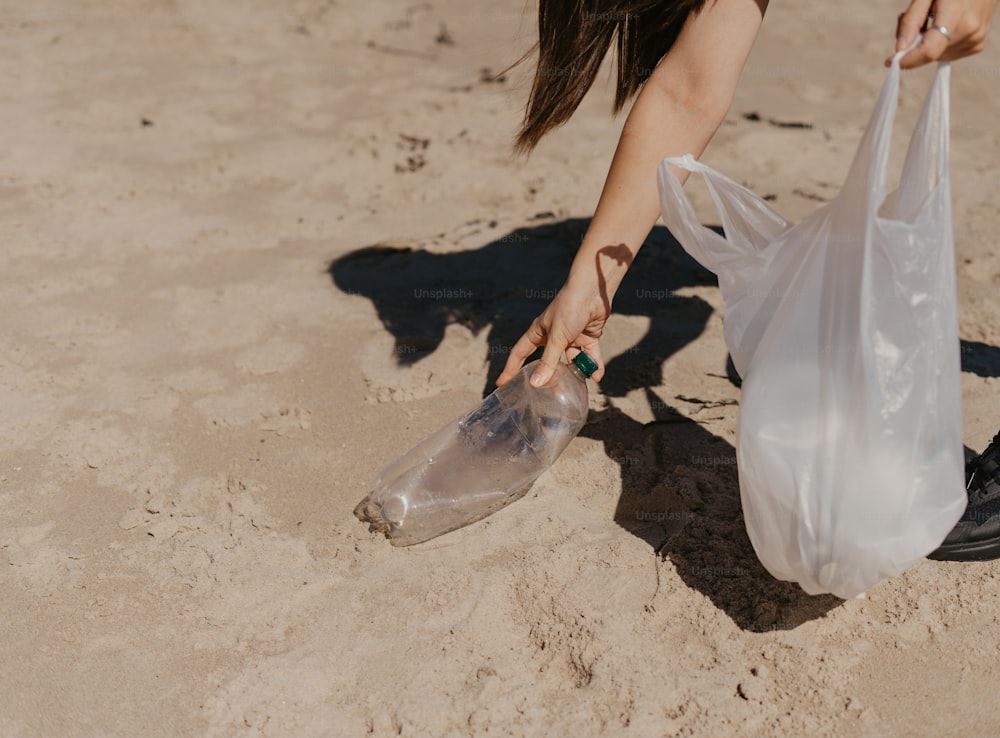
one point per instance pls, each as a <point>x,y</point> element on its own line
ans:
<point>684,59</point>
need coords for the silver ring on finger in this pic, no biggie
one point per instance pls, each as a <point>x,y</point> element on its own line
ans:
<point>942,30</point>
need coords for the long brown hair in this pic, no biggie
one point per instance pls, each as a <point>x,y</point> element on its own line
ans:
<point>574,37</point>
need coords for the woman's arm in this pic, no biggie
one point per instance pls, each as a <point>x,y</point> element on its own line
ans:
<point>677,112</point>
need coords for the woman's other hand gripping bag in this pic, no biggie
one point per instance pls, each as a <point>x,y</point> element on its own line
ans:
<point>844,329</point>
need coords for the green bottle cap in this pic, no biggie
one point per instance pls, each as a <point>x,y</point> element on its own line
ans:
<point>585,364</point>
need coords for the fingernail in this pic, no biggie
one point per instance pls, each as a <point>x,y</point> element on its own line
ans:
<point>537,380</point>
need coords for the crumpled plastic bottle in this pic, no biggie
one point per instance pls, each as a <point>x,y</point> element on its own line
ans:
<point>482,462</point>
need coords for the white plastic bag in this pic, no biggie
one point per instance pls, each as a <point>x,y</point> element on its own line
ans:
<point>844,329</point>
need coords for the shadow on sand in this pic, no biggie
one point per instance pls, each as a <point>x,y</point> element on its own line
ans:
<point>679,486</point>
<point>680,491</point>
<point>502,286</point>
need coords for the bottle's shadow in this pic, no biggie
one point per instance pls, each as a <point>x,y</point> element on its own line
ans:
<point>679,486</point>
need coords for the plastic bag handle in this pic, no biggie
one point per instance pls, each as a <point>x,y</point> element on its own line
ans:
<point>928,150</point>
<point>878,134</point>
<point>748,220</point>
<point>700,241</point>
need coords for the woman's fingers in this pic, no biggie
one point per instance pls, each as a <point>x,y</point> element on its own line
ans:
<point>908,26</point>
<point>932,48</point>
<point>957,29</point>
<point>910,22</point>
<point>525,347</point>
<point>550,360</point>
<point>574,320</point>
<point>555,346</point>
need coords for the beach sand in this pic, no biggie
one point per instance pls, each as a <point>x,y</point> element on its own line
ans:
<point>253,251</point>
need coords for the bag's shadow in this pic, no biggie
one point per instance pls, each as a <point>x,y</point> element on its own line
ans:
<point>680,494</point>
<point>679,487</point>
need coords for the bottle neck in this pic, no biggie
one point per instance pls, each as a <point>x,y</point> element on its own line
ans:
<point>583,366</point>
<point>575,371</point>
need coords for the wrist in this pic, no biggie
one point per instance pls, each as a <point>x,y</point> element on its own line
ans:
<point>600,269</point>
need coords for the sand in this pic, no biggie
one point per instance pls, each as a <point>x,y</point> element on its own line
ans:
<point>253,251</point>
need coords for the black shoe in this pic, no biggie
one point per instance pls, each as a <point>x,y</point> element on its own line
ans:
<point>976,536</point>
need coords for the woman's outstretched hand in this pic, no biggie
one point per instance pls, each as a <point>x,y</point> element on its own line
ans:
<point>573,320</point>
<point>967,23</point>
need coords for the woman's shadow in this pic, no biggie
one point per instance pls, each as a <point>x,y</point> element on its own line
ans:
<point>502,286</point>
<point>680,492</point>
